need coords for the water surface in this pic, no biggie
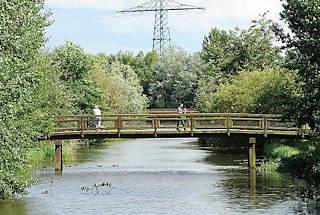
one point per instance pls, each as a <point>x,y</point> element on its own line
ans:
<point>156,176</point>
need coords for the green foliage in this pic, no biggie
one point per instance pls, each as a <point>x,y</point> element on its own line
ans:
<point>306,166</point>
<point>277,155</point>
<point>142,65</point>
<point>256,91</point>
<point>24,109</point>
<point>280,151</point>
<point>44,155</point>
<point>73,66</point>
<point>269,166</point>
<point>227,53</point>
<point>72,62</point>
<point>119,86</point>
<point>261,87</point>
<point>175,79</point>
<point>303,54</point>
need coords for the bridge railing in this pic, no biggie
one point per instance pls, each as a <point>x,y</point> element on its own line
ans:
<point>157,123</point>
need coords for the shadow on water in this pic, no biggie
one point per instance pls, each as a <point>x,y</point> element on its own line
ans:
<point>90,152</point>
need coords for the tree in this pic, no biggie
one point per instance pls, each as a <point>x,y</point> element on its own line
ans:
<point>259,91</point>
<point>175,79</point>
<point>142,65</point>
<point>119,86</point>
<point>24,111</point>
<point>73,66</point>
<point>227,53</point>
<point>303,54</point>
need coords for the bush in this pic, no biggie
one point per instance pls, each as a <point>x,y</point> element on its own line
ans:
<point>119,86</point>
<point>24,90</point>
<point>269,166</point>
<point>253,91</point>
<point>280,151</point>
<point>44,155</point>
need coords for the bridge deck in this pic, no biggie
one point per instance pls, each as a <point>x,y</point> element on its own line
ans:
<point>164,125</point>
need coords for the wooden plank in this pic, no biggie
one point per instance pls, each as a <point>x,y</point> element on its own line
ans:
<point>137,119</point>
<point>69,128</point>
<point>246,127</point>
<point>210,118</point>
<point>209,127</point>
<point>135,128</point>
<point>66,120</point>
<point>58,158</point>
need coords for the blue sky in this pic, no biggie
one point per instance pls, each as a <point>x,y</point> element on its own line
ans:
<point>93,25</point>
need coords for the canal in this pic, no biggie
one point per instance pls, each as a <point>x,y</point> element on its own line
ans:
<point>156,176</point>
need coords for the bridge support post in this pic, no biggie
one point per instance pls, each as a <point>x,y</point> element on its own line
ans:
<point>58,159</point>
<point>253,181</point>
<point>252,153</point>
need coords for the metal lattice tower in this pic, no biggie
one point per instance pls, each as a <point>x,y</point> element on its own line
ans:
<point>161,32</point>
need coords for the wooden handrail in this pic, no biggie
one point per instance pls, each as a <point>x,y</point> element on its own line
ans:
<point>171,115</point>
<point>259,123</point>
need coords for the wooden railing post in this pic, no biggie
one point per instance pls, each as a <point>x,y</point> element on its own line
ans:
<point>191,125</point>
<point>119,125</point>
<point>228,125</point>
<point>265,125</point>
<point>58,159</point>
<point>155,126</point>
<point>83,125</point>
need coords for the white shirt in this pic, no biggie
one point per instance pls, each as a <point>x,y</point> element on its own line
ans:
<point>96,111</point>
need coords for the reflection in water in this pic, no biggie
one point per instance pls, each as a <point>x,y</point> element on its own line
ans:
<point>253,181</point>
<point>248,189</point>
<point>13,207</point>
<point>157,176</point>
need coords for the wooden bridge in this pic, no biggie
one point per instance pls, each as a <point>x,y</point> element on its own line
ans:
<point>164,125</point>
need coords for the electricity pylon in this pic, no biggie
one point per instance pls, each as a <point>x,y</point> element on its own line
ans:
<point>161,32</point>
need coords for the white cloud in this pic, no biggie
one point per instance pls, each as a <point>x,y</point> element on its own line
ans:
<point>188,26</point>
<point>218,13</point>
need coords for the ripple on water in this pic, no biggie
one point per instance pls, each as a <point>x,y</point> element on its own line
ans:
<point>157,176</point>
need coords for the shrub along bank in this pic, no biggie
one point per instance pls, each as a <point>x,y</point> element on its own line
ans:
<point>276,154</point>
<point>44,155</point>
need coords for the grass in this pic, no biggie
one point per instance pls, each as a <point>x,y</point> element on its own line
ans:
<point>279,151</point>
<point>269,166</point>
<point>275,152</point>
<point>44,155</point>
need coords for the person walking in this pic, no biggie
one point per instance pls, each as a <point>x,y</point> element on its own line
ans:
<point>180,111</point>
<point>97,112</point>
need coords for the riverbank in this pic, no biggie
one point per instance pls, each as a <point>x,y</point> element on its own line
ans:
<point>44,154</point>
<point>277,154</point>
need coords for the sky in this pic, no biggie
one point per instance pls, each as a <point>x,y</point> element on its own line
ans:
<point>94,25</point>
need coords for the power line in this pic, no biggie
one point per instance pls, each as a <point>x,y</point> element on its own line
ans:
<point>161,32</point>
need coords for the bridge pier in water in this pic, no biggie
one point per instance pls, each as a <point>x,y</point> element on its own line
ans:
<point>58,159</point>
<point>252,165</point>
<point>252,153</point>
